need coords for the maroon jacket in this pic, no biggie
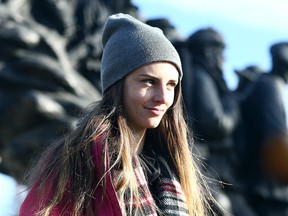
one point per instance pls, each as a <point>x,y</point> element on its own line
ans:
<point>107,205</point>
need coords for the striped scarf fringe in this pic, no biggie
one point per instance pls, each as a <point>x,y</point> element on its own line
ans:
<point>168,197</point>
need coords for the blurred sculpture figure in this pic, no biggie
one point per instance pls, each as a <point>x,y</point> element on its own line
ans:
<point>49,71</point>
<point>213,115</point>
<point>247,76</point>
<point>41,93</point>
<point>265,154</point>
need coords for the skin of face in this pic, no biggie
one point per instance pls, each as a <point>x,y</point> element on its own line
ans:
<point>148,93</point>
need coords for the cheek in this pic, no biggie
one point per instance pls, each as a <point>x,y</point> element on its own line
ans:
<point>131,99</point>
<point>171,99</point>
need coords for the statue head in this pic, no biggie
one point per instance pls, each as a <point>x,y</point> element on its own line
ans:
<point>207,44</point>
<point>203,38</point>
<point>251,72</point>
<point>248,75</point>
<point>279,55</point>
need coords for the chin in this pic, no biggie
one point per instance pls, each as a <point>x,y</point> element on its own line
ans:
<point>152,126</point>
<point>154,123</point>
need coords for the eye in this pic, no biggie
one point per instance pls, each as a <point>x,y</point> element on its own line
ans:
<point>172,84</point>
<point>149,81</point>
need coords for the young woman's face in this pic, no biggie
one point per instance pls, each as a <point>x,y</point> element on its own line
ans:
<point>148,93</point>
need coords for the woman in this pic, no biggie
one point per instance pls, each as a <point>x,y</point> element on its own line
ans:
<point>129,155</point>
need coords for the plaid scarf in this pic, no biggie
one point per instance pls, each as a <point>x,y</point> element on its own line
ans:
<point>168,192</point>
<point>158,186</point>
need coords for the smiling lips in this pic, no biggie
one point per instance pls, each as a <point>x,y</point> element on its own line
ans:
<point>155,111</point>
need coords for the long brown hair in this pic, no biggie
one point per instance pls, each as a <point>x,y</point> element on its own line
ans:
<point>69,161</point>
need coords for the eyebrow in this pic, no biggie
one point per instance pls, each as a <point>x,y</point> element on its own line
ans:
<point>151,76</point>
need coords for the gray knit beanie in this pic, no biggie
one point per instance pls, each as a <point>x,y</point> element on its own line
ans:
<point>129,44</point>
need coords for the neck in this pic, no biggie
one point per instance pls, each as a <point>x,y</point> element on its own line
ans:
<point>140,140</point>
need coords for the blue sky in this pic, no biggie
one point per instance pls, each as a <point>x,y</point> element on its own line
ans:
<point>249,27</point>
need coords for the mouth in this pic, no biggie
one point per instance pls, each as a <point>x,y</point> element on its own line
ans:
<point>155,111</point>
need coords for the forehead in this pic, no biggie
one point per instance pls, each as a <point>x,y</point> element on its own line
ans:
<point>158,69</point>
